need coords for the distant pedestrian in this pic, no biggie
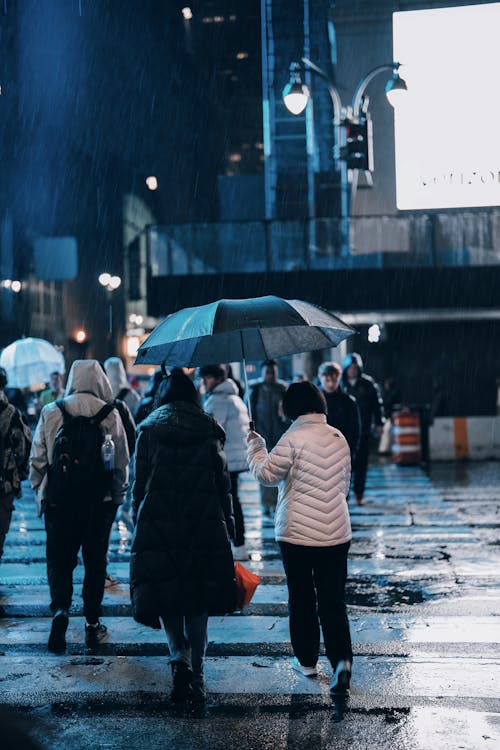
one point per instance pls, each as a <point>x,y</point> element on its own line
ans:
<point>120,386</point>
<point>229,374</point>
<point>126,400</point>
<point>181,567</point>
<point>15,442</point>
<point>266,400</point>
<point>371,411</point>
<point>54,391</point>
<point>79,487</point>
<point>223,403</point>
<point>392,398</point>
<point>311,466</point>
<point>147,402</point>
<point>342,409</point>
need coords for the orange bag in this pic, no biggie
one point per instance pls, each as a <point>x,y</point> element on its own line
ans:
<point>246,583</point>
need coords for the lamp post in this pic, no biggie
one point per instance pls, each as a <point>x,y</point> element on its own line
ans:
<point>110,283</point>
<point>352,132</point>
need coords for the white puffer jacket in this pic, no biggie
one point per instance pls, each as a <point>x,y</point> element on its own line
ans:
<point>311,465</point>
<point>224,404</point>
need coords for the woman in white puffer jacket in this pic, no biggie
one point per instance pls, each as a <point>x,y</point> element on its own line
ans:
<point>311,465</point>
<point>224,404</point>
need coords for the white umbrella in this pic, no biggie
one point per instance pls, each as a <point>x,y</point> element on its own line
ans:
<point>30,361</point>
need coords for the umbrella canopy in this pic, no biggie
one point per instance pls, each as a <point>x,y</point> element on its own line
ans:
<point>30,361</point>
<point>237,329</point>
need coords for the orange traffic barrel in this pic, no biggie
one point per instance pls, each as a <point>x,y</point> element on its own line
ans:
<point>406,448</point>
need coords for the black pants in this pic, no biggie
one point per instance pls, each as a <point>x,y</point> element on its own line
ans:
<point>316,579</point>
<point>239,523</point>
<point>86,526</point>
<point>6,508</point>
<point>360,466</point>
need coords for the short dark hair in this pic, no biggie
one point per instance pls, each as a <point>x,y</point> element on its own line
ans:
<point>329,368</point>
<point>3,378</point>
<point>213,371</point>
<point>269,363</point>
<point>303,398</point>
<point>177,387</point>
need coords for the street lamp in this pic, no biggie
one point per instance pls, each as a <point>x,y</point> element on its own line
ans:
<point>352,126</point>
<point>110,283</point>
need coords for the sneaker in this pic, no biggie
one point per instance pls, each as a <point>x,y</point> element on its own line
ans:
<point>57,637</point>
<point>240,553</point>
<point>359,498</point>
<point>199,694</point>
<point>95,634</point>
<point>109,581</point>
<point>306,671</point>
<point>341,678</point>
<point>183,682</point>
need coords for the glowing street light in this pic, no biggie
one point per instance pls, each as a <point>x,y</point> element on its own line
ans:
<point>110,283</point>
<point>352,127</point>
<point>152,182</point>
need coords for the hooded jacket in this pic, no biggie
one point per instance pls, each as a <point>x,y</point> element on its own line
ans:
<point>366,392</point>
<point>311,465</point>
<point>119,384</point>
<point>224,404</point>
<point>87,391</point>
<point>15,440</point>
<point>181,561</point>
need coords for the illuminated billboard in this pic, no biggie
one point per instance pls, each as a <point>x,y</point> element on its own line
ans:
<point>447,135</point>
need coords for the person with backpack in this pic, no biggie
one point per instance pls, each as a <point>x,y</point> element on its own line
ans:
<point>15,443</point>
<point>79,470</point>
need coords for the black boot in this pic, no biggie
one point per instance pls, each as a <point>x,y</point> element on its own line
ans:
<point>183,682</point>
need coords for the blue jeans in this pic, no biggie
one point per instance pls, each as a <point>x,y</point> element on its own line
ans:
<point>187,640</point>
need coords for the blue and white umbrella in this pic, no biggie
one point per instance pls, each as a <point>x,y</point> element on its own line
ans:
<point>30,361</point>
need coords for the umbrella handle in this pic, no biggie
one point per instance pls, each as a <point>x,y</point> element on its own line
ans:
<point>245,376</point>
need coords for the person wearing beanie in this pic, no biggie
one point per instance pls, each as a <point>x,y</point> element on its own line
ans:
<point>365,390</point>
<point>224,404</point>
<point>311,466</point>
<point>342,411</point>
<point>181,566</point>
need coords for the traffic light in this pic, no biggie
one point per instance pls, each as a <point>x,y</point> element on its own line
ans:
<point>358,148</point>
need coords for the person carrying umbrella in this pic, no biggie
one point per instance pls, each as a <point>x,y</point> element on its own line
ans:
<point>311,466</point>
<point>181,567</point>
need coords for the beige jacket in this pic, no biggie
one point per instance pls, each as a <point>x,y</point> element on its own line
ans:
<point>87,391</point>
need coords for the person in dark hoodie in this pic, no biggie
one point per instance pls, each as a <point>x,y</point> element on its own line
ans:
<point>367,394</point>
<point>343,412</point>
<point>181,567</point>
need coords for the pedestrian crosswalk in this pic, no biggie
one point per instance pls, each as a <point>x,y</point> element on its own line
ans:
<point>419,557</point>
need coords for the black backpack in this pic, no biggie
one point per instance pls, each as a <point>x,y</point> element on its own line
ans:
<point>77,469</point>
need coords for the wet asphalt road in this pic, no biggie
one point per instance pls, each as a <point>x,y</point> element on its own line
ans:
<point>424,606</point>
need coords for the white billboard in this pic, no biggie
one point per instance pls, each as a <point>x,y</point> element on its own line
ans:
<point>447,129</point>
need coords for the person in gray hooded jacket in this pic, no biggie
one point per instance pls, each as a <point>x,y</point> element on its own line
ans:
<point>80,522</point>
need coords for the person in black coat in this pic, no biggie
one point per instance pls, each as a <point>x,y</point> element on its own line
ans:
<point>343,412</point>
<point>181,567</point>
<point>371,411</point>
